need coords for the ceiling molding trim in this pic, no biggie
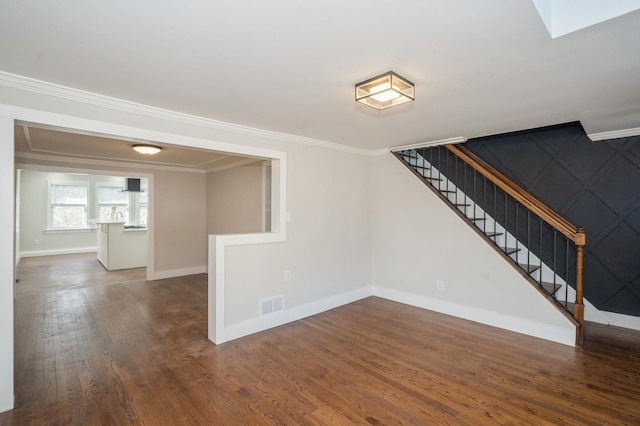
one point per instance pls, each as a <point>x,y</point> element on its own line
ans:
<point>95,99</point>
<point>384,151</point>
<point>615,134</point>
<point>379,152</point>
<point>106,163</point>
<point>68,169</point>
<point>233,165</point>
<point>448,141</point>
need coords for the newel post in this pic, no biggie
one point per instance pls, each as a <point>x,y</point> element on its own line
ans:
<point>578,311</point>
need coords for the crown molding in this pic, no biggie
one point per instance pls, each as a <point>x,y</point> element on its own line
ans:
<point>103,101</point>
<point>105,163</point>
<point>448,141</point>
<point>615,134</point>
<point>379,152</point>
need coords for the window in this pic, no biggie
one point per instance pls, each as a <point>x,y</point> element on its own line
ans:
<point>67,207</point>
<point>113,203</point>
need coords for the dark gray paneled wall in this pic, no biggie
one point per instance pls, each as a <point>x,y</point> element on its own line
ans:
<point>592,184</point>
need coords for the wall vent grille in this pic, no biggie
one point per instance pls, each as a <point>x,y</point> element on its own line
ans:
<point>271,305</point>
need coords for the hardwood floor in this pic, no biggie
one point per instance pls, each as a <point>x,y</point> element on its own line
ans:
<point>96,348</point>
<point>43,274</point>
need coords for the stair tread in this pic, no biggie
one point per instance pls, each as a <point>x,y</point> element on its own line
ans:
<point>550,288</point>
<point>447,191</point>
<point>511,250</point>
<point>476,219</point>
<point>462,205</point>
<point>433,178</point>
<point>529,268</point>
<point>493,234</point>
<point>569,306</point>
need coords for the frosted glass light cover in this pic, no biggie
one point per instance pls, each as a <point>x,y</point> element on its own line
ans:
<point>384,91</point>
<point>147,149</point>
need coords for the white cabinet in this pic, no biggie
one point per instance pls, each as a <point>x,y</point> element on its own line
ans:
<point>103,243</point>
<point>119,248</point>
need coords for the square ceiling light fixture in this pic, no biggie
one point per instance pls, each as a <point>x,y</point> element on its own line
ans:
<point>384,91</point>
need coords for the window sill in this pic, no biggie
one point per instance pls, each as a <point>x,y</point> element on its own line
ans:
<point>68,230</point>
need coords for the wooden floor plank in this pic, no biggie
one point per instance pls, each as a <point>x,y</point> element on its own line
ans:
<point>94,347</point>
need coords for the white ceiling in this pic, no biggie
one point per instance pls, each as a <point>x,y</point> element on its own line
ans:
<point>480,67</point>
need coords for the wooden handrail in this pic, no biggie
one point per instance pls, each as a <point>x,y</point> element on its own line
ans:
<point>574,233</point>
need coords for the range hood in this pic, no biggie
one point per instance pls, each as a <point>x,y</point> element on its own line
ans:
<point>132,185</point>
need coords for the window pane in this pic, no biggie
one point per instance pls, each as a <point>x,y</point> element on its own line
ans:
<point>143,197</point>
<point>114,212</point>
<point>108,195</point>
<point>68,194</point>
<point>142,220</point>
<point>68,217</point>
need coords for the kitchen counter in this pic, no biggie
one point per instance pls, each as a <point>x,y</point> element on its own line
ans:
<point>120,248</point>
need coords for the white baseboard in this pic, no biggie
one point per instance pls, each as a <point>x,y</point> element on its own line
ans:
<point>180,272</point>
<point>7,405</point>
<point>566,336</point>
<point>265,322</point>
<point>57,252</point>
<point>621,320</point>
<point>593,314</point>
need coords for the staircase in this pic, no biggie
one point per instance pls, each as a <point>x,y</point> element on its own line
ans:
<point>545,248</point>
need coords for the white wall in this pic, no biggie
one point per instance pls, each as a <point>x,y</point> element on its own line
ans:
<point>235,200</point>
<point>417,241</point>
<point>328,247</point>
<point>7,262</point>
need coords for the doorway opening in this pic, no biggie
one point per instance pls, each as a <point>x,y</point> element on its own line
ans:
<point>69,183</point>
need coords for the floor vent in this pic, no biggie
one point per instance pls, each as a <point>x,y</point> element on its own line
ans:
<point>271,305</point>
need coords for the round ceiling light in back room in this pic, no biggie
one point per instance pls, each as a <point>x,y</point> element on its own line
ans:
<point>147,149</point>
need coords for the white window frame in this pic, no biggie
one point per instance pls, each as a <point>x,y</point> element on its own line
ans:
<point>50,205</point>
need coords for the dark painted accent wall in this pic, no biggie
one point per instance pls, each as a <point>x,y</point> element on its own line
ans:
<point>592,184</point>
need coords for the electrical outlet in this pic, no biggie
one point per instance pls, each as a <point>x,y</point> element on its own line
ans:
<point>37,242</point>
<point>287,275</point>
<point>440,285</point>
